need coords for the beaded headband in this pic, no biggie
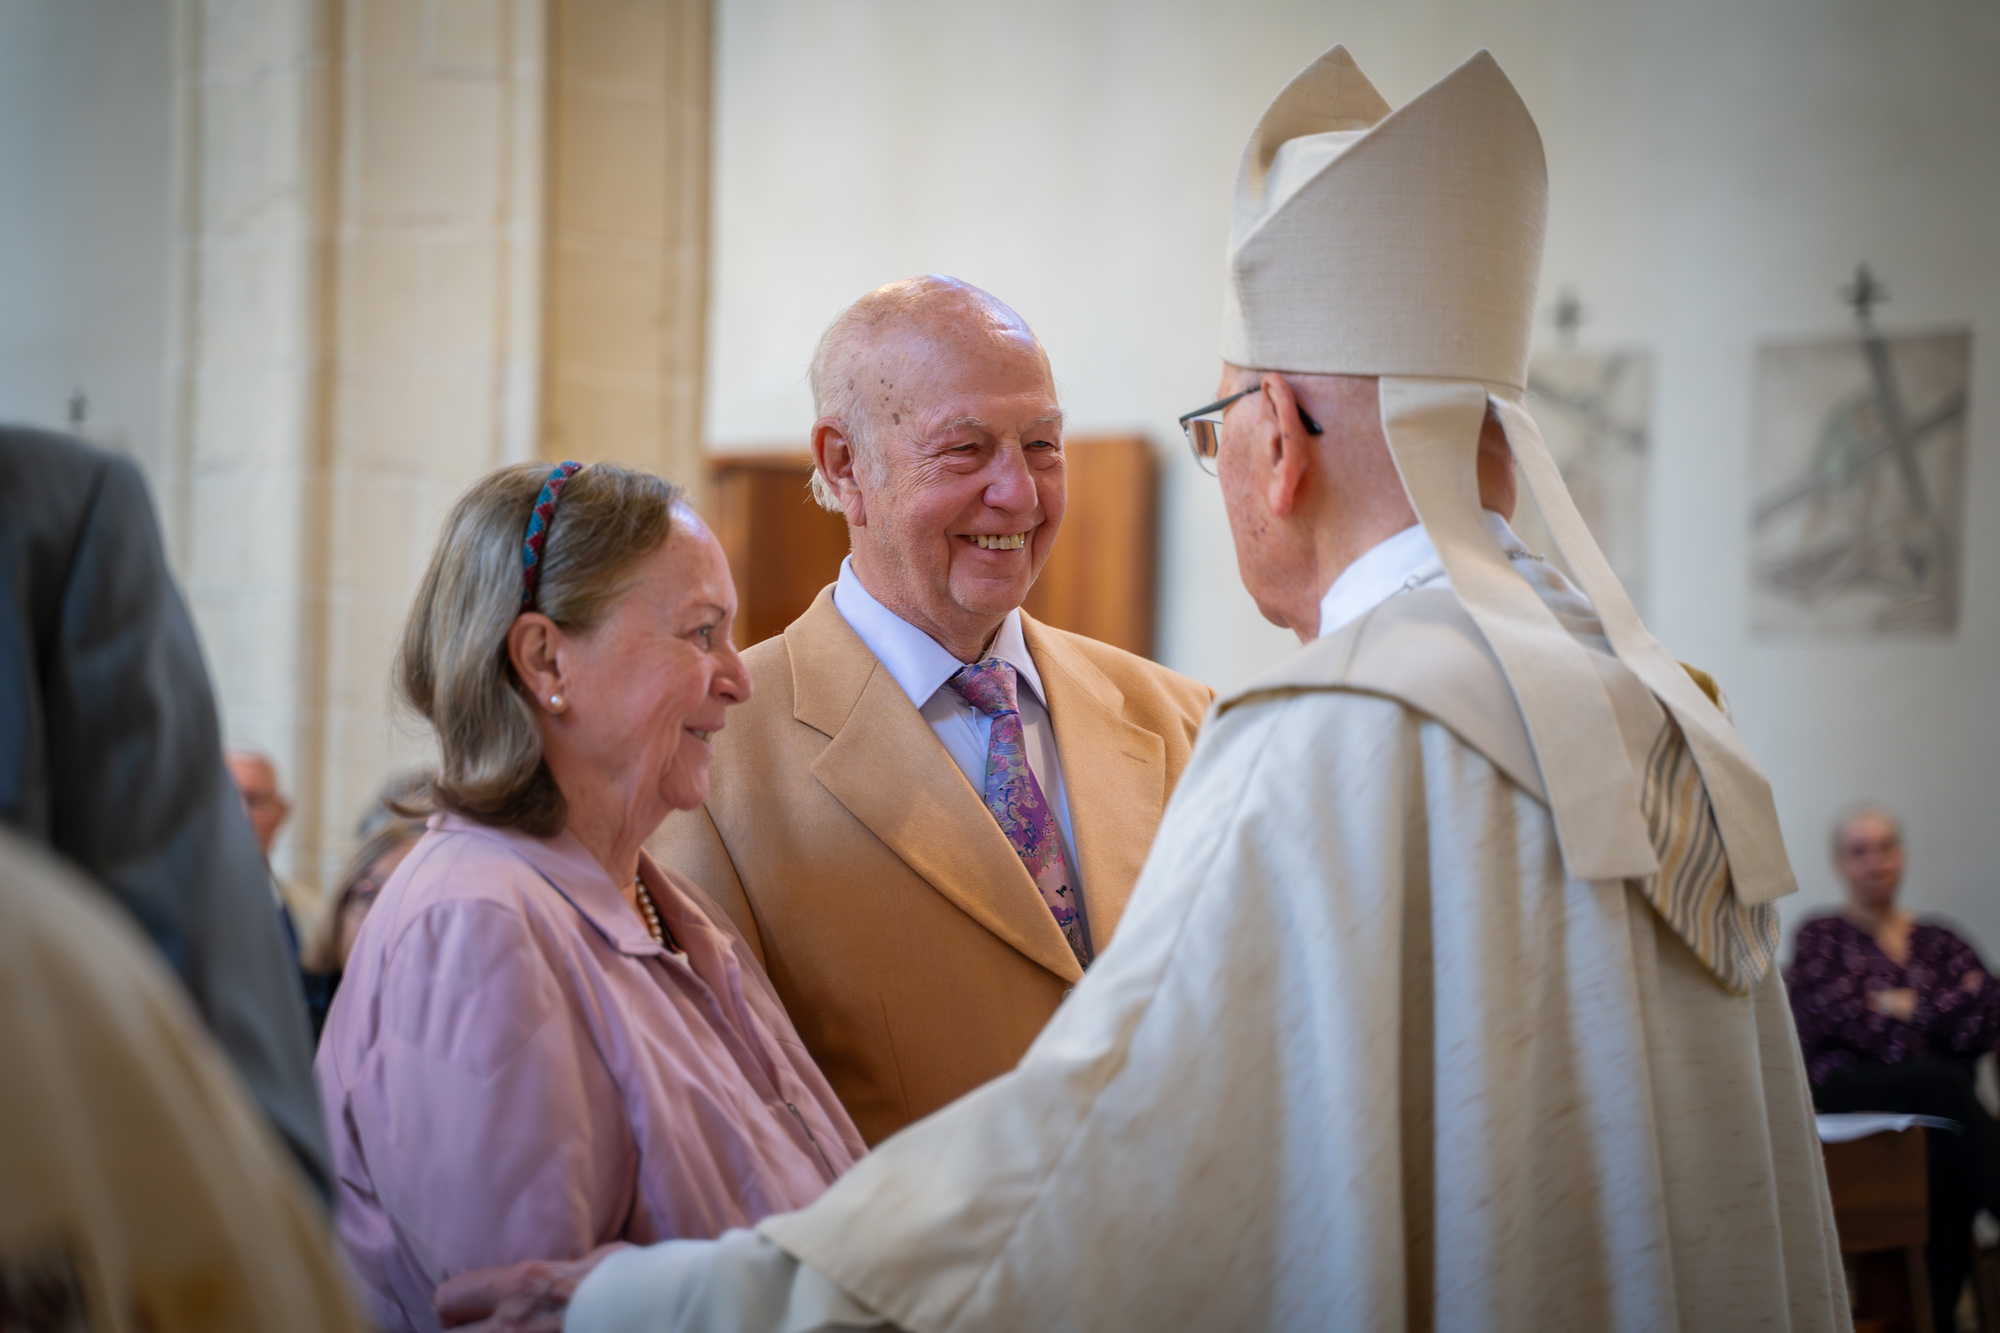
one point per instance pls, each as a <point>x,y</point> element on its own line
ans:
<point>538,529</point>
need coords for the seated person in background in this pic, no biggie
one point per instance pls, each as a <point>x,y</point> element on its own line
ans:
<point>928,821</point>
<point>1891,1013</point>
<point>139,1186</point>
<point>324,957</point>
<point>543,1042</point>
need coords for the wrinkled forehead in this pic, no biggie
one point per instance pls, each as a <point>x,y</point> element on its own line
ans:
<point>941,360</point>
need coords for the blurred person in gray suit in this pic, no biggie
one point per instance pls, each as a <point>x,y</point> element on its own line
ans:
<point>110,756</point>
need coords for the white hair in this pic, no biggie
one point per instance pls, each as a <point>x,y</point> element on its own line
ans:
<point>837,360</point>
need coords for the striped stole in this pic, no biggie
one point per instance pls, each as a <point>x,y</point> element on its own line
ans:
<point>1692,891</point>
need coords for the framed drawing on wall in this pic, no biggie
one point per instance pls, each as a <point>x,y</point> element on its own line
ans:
<point>1858,466</point>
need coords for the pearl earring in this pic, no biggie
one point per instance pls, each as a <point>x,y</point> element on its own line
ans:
<point>556,702</point>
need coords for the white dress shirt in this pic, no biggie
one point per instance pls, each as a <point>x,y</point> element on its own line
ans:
<point>1408,560</point>
<point>921,667</point>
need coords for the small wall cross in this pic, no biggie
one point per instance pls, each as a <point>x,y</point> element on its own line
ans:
<point>1864,294</point>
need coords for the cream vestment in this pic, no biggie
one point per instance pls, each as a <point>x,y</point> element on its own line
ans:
<point>1445,997</point>
<point>1363,1056</point>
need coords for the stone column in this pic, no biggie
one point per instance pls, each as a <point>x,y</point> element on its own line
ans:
<point>627,266</point>
<point>252,95</point>
<point>367,323</point>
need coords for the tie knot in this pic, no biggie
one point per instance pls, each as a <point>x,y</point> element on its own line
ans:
<point>987,686</point>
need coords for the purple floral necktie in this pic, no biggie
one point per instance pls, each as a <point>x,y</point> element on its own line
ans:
<point>1015,798</point>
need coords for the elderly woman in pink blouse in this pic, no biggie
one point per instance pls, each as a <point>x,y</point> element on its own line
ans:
<point>544,1042</point>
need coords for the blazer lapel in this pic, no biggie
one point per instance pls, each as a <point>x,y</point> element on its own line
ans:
<point>885,765</point>
<point>1114,771</point>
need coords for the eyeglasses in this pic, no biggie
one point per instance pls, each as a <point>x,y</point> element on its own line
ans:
<point>1204,431</point>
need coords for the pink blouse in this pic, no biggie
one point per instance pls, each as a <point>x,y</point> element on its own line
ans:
<point>514,1070</point>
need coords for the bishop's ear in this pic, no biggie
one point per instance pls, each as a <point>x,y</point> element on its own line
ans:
<point>1290,444</point>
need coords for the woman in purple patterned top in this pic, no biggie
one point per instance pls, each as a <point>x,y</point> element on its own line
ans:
<point>1891,1014</point>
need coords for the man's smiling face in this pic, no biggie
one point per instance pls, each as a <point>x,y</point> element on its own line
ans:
<point>962,480</point>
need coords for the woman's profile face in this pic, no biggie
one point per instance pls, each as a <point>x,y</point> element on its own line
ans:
<point>648,687</point>
<point>1870,860</point>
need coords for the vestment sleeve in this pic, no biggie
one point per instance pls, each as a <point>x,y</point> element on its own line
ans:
<point>741,1283</point>
<point>140,800</point>
<point>485,1118</point>
<point>1830,1004</point>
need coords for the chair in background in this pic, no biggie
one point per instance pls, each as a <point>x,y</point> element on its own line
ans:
<point>1881,1209</point>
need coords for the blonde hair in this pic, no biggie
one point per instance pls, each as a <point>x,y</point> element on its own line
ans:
<point>321,951</point>
<point>453,667</point>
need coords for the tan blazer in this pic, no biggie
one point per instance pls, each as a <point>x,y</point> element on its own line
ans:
<point>899,925</point>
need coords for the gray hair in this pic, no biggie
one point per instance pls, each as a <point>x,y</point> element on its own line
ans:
<point>1850,815</point>
<point>453,667</point>
<point>836,363</point>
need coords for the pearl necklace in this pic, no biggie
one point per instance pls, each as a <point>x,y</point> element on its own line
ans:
<point>654,926</point>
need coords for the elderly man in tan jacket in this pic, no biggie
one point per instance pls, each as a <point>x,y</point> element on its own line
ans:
<point>930,814</point>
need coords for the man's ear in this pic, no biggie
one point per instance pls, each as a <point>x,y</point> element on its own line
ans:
<point>1295,450</point>
<point>833,455</point>
<point>532,643</point>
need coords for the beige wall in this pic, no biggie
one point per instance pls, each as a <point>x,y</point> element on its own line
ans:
<point>85,213</point>
<point>1717,169</point>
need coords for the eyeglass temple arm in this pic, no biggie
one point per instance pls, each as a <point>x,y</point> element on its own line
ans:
<point>1312,427</point>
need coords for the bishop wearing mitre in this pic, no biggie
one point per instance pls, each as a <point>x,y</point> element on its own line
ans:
<point>1445,998</point>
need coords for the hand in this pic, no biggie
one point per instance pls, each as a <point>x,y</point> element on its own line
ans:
<point>528,1297</point>
<point>1899,1003</point>
<point>1973,982</point>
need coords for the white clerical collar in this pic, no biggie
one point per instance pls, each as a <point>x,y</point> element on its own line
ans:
<point>913,659</point>
<point>1409,560</point>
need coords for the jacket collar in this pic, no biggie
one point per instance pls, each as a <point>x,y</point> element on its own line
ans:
<point>883,763</point>
<point>917,662</point>
<point>1114,770</point>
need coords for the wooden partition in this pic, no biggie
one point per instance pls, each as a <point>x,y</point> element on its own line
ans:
<point>1100,580</point>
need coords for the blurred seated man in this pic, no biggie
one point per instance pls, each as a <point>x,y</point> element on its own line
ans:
<point>930,814</point>
<point>139,1188</point>
<point>110,755</point>
<point>1892,1012</point>
<point>264,804</point>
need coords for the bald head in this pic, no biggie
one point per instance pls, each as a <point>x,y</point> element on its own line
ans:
<point>256,779</point>
<point>939,440</point>
<point>866,360</point>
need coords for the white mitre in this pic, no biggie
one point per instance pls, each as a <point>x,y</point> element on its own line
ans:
<point>1407,244</point>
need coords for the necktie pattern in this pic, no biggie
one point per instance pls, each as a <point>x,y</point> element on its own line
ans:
<point>1016,800</point>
